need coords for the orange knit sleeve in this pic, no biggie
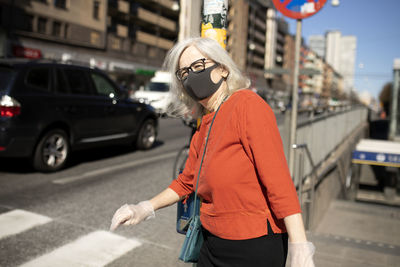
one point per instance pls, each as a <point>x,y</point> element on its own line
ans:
<point>263,144</point>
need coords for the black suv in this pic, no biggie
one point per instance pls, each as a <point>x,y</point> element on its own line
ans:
<point>48,109</point>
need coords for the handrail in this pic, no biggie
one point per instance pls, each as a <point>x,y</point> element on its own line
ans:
<point>310,199</point>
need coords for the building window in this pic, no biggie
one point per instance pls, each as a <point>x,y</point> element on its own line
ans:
<point>26,24</point>
<point>94,38</point>
<point>56,28</point>
<point>66,30</point>
<point>60,4</point>
<point>139,49</point>
<point>96,9</point>
<point>115,43</point>
<point>42,25</point>
<point>152,52</point>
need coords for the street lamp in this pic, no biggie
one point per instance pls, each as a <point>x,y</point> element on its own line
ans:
<point>175,6</point>
<point>335,3</point>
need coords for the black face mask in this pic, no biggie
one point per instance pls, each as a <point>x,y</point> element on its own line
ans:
<point>199,84</point>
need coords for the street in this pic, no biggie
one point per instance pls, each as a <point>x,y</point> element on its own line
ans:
<point>81,200</point>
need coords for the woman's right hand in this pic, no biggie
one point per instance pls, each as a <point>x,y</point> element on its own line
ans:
<point>132,214</point>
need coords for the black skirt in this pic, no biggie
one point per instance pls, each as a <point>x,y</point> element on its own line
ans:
<point>266,251</point>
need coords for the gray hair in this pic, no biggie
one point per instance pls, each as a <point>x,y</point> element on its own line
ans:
<point>210,48</point>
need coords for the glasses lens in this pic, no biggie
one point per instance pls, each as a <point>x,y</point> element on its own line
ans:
<point>198,65</point>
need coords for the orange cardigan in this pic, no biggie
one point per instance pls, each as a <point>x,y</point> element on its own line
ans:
<point>244,180</point>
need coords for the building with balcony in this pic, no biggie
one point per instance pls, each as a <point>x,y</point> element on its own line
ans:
<point>53,29</point>
<point>139,34</point>
<point>127,38</point>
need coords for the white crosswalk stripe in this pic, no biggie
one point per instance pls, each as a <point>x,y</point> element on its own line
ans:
<point>95,249</point>
<point>17,221</point>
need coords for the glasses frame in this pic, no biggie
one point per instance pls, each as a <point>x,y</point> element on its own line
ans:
<point>187,69</point>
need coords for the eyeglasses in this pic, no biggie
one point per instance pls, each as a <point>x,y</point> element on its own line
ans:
<point>197,66</point>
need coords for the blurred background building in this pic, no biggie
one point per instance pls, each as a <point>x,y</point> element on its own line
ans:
<point>130,38</point>
<point>340,52</point>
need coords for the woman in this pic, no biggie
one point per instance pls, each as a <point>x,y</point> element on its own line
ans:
<point>249,203</point>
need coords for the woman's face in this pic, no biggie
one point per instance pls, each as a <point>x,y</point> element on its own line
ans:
<point>190,55</point>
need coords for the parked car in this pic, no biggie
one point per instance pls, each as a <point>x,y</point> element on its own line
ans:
<point>49,109</point>
<point>156,93</point>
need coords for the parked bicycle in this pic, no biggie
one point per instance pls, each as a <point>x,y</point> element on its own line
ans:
<point>182,156</point>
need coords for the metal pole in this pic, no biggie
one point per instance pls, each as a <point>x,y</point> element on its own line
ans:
<point>215,20</point>
<point>293,120</point>
<point>395,100</point>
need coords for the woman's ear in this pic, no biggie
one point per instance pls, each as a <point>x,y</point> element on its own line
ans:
<point>224,72</point>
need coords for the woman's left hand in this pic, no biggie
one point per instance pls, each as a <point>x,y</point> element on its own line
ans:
<point>301,254</point>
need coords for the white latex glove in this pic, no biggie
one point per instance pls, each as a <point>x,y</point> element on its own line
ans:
<point>132,214</point>
<point>301,254</point>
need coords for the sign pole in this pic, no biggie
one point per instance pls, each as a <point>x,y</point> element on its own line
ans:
<point>393,128</point>
<point>293,119</point>
<point>215,20</point>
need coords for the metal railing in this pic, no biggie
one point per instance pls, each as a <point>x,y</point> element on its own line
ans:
<point>325,133</point>
<point>318,139</point>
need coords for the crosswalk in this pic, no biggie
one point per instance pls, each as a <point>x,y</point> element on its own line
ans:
<point>97,248</point>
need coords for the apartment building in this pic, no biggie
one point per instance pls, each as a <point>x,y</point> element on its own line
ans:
<point>50,28</point>
<point>139,34</point>
<point>126,38</point>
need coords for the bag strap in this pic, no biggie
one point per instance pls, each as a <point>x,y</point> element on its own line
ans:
<point>197,206</point>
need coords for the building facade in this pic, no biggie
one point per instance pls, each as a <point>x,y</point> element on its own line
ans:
<point>341,55</point>
<point>317,44</point>
<point>126,38</point>
<point>130,38</point>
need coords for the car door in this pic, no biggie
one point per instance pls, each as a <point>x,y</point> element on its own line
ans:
<point>120,113</point>
<point>84,110</point>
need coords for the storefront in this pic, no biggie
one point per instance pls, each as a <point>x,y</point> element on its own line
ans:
<point>129,75</point>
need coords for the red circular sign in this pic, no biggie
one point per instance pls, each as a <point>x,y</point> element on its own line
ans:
<point>298,9</point>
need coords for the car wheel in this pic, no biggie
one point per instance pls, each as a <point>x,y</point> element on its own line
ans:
<point>147,135</point>
<point>52,151</point>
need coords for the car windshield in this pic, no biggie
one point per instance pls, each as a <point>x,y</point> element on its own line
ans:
<point>6,76</point>
<point>156,87</point>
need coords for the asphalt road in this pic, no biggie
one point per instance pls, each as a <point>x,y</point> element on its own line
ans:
<point>81,200</point>
<point>64,217</point>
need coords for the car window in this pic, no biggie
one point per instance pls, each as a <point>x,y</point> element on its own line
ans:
<point>61,83</point>
<point>6,76</point>
<point>38,78</point>
<point>103,86</point>
<point>77,82</point>
<point>157,87</point>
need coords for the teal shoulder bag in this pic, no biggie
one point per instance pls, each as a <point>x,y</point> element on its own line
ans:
<point>194,237</point>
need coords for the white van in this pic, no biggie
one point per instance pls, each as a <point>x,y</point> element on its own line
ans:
<point>156,92</point>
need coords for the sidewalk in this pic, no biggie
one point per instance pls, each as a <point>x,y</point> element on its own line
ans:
<point>355,234</point>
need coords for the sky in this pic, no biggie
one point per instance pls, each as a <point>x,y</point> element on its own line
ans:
<point>375,23</point>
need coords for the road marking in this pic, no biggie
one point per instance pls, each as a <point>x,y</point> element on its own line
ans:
<point>95,249</point>
<point>97,172</point>
<point>17,221</point>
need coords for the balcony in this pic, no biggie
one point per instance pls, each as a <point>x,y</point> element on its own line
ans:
<point>166,3</point>
<point>156,19</point>
<point>253,59</point>
<point>153,40</point>
<point>123,6</point>
<point>122,31</point>
<point>260,24</point>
